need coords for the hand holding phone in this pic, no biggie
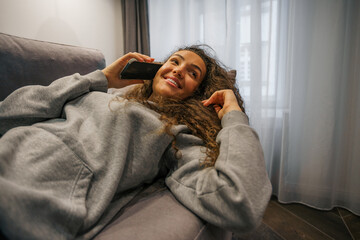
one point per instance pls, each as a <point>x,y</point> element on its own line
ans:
<point>140,70</point>
<point>113,71</point>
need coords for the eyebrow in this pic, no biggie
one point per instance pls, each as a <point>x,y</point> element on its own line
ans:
<point>194,65</point>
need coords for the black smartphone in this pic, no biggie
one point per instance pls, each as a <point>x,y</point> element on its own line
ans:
<point>140,70</point>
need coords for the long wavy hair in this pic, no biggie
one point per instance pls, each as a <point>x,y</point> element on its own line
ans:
<point>202,121</point>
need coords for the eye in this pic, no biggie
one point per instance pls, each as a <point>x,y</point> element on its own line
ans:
<point>174,60</point>
<point>194,74</point>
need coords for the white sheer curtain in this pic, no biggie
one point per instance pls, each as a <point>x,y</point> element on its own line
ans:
<point>296,63</point>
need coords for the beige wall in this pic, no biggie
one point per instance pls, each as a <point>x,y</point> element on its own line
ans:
<point>87,23</point>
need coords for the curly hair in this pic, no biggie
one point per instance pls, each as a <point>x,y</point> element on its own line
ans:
<point>202,121</point>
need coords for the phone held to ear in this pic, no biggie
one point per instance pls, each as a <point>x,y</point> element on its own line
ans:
<point>140,70</point>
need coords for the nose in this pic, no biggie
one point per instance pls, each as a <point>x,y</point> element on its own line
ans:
<point>178,71</point>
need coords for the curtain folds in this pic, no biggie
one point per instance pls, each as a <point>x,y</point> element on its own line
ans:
<point>319,159</point>
<point>297,69</point>
<point>136,26</point>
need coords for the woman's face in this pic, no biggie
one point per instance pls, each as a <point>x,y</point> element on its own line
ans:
<point>180,75</point>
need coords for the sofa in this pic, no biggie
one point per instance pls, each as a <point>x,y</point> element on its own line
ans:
<point>152,214</point>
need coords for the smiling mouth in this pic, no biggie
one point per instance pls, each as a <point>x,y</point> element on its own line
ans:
<point>172,82</point>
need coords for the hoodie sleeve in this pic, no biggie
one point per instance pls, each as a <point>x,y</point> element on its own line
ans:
<point>235,192</point>
<point>31,104</point>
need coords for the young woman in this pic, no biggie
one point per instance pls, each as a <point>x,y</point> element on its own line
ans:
<point>72,155</point>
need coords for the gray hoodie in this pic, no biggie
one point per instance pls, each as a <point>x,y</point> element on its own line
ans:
<point>71,156</point>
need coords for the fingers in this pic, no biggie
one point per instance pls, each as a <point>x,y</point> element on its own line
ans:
<point>216,98</point>
<point>223,101</point>
<point>120,63</point>
<point>138,56</point>
<point>217,108</point>
<point>113,70</point>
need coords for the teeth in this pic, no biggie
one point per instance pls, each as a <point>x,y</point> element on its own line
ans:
<point>172,81</point>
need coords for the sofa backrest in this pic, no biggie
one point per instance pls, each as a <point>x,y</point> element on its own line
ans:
<point>27,62</point>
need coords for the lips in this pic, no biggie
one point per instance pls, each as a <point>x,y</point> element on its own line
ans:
<point>173,82</point>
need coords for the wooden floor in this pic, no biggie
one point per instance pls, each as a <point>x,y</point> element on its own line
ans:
<point>297,221</point>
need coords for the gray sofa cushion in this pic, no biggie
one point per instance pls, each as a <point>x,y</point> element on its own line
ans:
<point>156,214</point>
<point>26,62</point>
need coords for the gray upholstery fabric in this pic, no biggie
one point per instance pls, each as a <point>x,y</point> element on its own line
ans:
<point>26,61</point>
<point>156,214</point>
